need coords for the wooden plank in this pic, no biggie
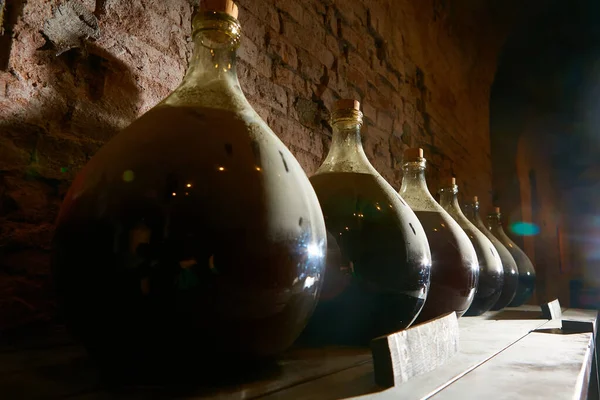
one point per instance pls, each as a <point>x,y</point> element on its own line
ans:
<point>402,355</point>
<point>540,366</point>
<point>34,337</point>
<point>552,310</point>
<point>574,318</point>
<point>477,345</point>
<point>295,368</point>
<point>15,361</point>
<point>353,382</point>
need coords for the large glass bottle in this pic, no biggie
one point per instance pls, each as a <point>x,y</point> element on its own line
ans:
<point>378,265</point>
<point>524,266</point>
<point>491,275</point>
<point>511,275</point>
<point>194,236</point>
<point>454,269</point>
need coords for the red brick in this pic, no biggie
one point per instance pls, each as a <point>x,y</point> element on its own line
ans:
<point>262,109</point>
<point>271,93</point>
<point>369,112</point>
<point>318,7</point>
<point>329,98</point>
<point>378,99</point>
<point>385,121</point>
<point>250,53</point>
<point>310,67</point>
<point>263,10</point>
<point>292,8</point>
<point>332,20</point>
<point>253,28</point>
<point>283,50</point>
<point>358,62</point>
<point>310,36</point>
<point>381,20</point>
<point>409,111</point>
<point>359,42</point>
<point>313,27</point>
<point>333,45</point>
<point>291,80</point>
<point>353,12</point>
<point>291,132</point>
<point>357,78</point>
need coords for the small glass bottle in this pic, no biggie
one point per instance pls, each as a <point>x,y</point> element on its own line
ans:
<point>491,274</point>
<point>454,269</point>
<point>511,276</point>
<point>193,240</point>
<point>378,263</point>
<point>524,266</point>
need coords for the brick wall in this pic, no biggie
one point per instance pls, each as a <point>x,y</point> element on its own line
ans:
<point>422,69</point>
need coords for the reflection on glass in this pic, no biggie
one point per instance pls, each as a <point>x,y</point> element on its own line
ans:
<point>210,250</point>
<point>454,269</point>
<point>377,258</point>
<point>491,274</point>
<point>511,276</point>
<point>525,268</point>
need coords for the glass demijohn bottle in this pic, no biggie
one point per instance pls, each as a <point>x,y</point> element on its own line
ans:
<point>378,263</point>
<point>193,236</point>
<point>454,269</point>
<point>524,266</point>
<point>511,276</point>
<point>491,275</point>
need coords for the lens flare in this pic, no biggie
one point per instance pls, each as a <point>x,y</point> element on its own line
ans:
<point>525,229</point>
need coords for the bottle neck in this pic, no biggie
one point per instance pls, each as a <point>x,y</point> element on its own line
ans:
<point>414,187</point>
<point>413,179</point>
<point>211,79</point>
<point>471,211</point>
<point>494,224</point>
<point>346,153</point>
<point>449,200</point>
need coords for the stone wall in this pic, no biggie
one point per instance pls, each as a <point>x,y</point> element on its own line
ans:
<point>72,76</point>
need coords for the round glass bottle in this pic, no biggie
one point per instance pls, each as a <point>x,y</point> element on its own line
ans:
<point>193,236</point>
<point>378,263</point>
<point>525,268</point>
<point>511,276</point>
<point>454,269</point>
<point>491,274</point>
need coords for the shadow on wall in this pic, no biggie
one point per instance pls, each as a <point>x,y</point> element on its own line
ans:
<point>82,98</point>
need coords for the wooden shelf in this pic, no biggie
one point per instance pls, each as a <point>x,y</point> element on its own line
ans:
<point>510,354</point>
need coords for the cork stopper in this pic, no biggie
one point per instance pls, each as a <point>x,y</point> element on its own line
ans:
<point>345,104</point>
<point>413,154</point>
<point>225,6</point>
<point>497,210</point>
<point>475,199</point>
<point>453,181</point>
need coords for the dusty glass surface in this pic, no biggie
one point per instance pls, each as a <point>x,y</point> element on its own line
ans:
<point>491,274</point>
<point>378,261</point>
<point>454,269</point>
<point>194,234</point>
<point>525,268</point>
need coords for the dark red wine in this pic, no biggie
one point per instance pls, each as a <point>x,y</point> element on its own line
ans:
<point>511,277</point>
<point>509,266</point>
<point>491,279</point>
<point>527,277</point>
<point>169,254</point>
<point>453,278</point>
<point>377,272</point>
